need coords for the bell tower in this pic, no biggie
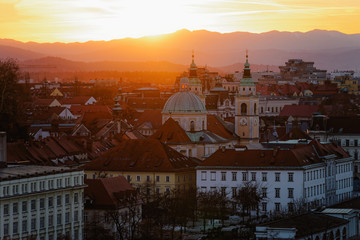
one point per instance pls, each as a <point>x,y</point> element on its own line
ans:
<point>247,108</point>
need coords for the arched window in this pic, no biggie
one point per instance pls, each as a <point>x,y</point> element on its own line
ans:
<point>344,233</point>
<point>337,236</point>
<point>243,109</point>
<point>262,109</point>
<point>254,108</point>
<point>192,126</point>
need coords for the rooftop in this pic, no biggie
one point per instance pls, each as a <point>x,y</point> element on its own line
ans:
<point>17,172</point>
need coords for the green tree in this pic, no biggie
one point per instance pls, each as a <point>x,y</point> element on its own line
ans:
<point>10,99</point>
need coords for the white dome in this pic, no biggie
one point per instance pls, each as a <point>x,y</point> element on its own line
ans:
<point>184,102</point>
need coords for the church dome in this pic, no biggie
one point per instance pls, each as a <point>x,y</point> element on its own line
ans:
<point>184,102</point>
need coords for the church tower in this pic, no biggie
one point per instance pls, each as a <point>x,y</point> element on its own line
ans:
<point>247,108</point>
<point>194,82</point>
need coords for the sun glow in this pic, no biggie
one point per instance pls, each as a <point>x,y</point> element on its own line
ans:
<point>83,20</point>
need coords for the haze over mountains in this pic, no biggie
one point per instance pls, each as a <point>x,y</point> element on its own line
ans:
<point>328,49</point>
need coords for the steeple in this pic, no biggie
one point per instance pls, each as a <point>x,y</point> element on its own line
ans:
<point>193,67</point>
<point>247,69</point>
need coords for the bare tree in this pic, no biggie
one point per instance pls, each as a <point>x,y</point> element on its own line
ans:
<point>248,197</point>
<point>127,216</point>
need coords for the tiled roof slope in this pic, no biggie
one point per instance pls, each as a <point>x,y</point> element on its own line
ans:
<point>299,156</point>
<point>308,223</point>
<point>214,125</point>
<point>171,132</point>
<point>152,116</point>
<point>142,155</point>
<point>298,111</point>
<point>105,192</point>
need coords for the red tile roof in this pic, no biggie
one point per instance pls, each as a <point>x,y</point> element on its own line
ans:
<point>214,125</point>
<point>152,116</point>
<point>299,156</point>
<point>304,111</point>
<point>142,155</point>
<point>81,109</point>
<point>105,192</point>
<point>75,100</point>
<point>171,132</point>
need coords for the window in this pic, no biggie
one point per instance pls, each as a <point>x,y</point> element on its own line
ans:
<point>264,192</point>
<point>138,178</point>
<point>24,206</point>
<point>223,191</point>
<point>277,192</point>
<point>234,176</point>
<point>347,142</point>
<point>51,202</point>
<point>76,197</point>
<point>192,126</point>
<point>58,200</point>
<point>277,177</point>
<point>203,175</point>
<point>42,222</point>
<point>277,207</point>
<point>213,176</point>
<point>291,192</point>
<point>33,205</point>
<point>15,208</point>
<point>76,216</point>
<point>42,203</point>
<point>291,207</point>
<point>67,217</point>
<point>15,227</point>
<point>128,178</point>
<point>148,178</point>
<point>67,199</point>
<point>243,109</point>
<point>33,223</point>
<point>58,219</point>
<point>233,190</point>
<point>291,177</point>
<point>264,176</point>
<point>223,176</point>
<point>356,143</point>
<point>264,206</point>
<point>24,226</point>
<point>51,220</point>
<point>253,176</point>
<point>6,229</point>
<point>167,178</point>
<point>244,176</point>
<point>157,178</point>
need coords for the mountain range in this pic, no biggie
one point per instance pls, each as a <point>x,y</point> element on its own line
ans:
<point>328,49</point>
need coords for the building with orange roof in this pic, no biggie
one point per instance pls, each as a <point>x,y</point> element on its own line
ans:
<point>284,173</point>
<point>106,198</point>
<point>145,162</point>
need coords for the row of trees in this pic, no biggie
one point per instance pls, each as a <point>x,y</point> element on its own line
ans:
<point>169,215</point>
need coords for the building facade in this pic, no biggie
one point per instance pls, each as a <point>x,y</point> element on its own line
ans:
<point>309,175</point>
<point>41,202</point>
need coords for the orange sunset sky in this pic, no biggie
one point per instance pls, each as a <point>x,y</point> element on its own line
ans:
<point>84,20</point>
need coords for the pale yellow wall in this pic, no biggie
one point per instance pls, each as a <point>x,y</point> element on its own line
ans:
<point>162,184</point>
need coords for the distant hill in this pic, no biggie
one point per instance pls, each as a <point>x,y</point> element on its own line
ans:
<point>56,64</point>
<point>18,53</point>
<point>328,49</point>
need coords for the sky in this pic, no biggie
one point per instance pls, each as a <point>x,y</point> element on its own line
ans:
<point>84,20</point>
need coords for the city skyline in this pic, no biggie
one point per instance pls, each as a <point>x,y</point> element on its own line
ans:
<point>69,21</point>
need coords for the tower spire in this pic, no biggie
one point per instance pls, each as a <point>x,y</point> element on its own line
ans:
<point>192,57</point>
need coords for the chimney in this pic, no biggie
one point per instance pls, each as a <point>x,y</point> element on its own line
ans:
<point>2,149</point>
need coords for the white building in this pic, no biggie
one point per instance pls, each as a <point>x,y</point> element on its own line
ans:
<point>40,201</point>
<point>271,106</point>
<point>304,172</point>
